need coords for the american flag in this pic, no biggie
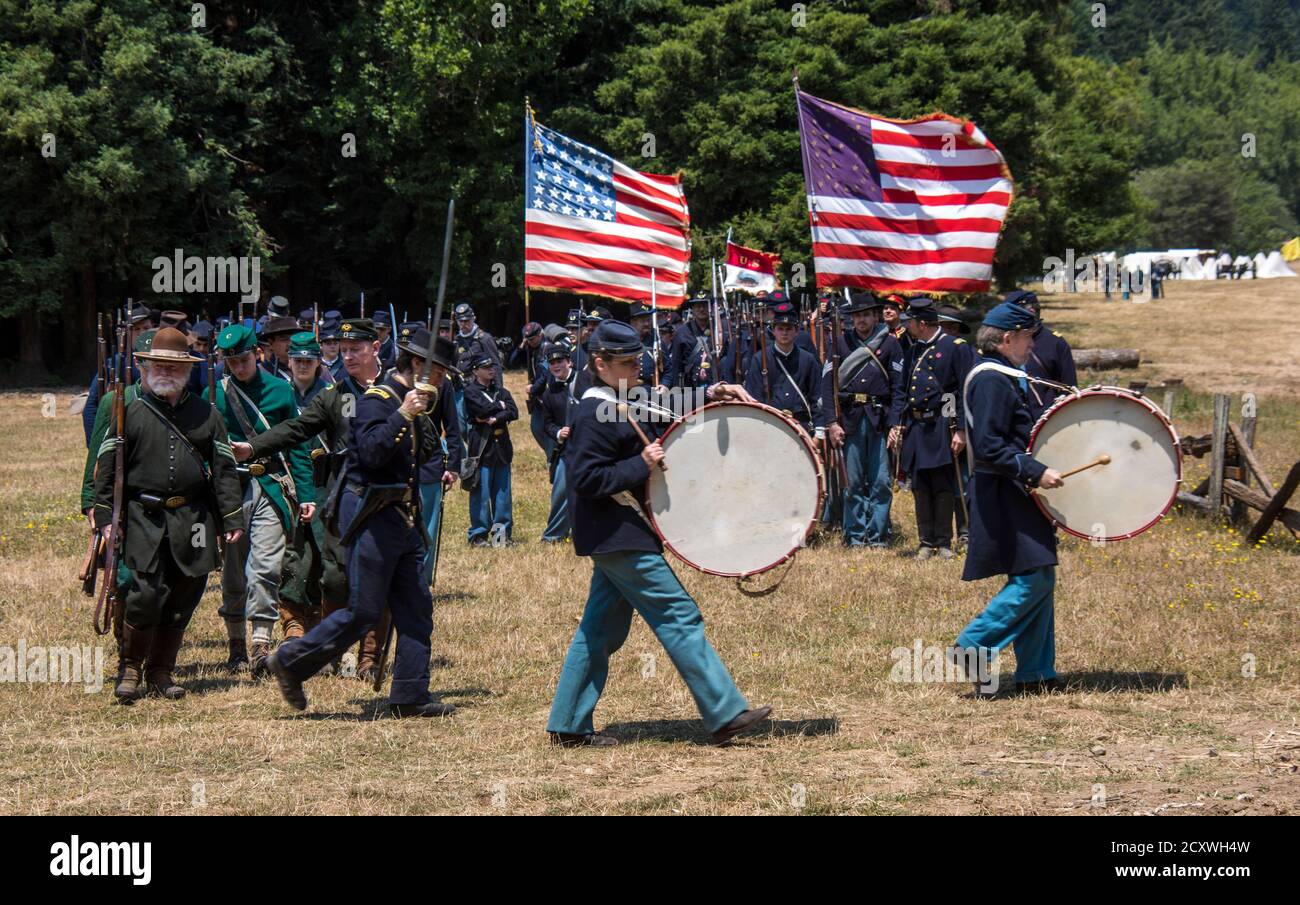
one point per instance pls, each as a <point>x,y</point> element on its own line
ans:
<point>901,205</point>
<point>595,226</point>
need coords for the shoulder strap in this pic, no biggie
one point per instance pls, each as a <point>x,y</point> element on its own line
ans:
<point>802,398</point>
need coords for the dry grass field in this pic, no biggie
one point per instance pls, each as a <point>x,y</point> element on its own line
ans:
<point>1152,636</point>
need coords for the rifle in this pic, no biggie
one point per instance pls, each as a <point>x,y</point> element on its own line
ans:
<point>422,383</point>
<point>107,608</point>
<point>761,334</point>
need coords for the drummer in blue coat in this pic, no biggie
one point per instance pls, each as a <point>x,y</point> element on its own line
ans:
<point>608,467</point>
<point>1009,535</point>
<point>792,381</point>
<point>870,384</point>
<point>927,423</point>
<point>1050,358</point>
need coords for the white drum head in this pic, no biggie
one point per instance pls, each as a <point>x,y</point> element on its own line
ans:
<point>1120,499</point>
<point>742,489</point>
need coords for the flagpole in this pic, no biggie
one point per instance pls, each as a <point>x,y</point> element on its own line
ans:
<point>654,322</point>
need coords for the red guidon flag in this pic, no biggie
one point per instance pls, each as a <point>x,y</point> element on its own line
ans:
<point>749,270</point>
<point>595,226</point>
<point>901,205</point>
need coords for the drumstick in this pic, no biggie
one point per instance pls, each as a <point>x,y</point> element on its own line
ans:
<point>622,410</point>
<point>1103,459</point>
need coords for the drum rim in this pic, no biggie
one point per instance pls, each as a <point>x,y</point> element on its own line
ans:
<point>1105,390</point>
<point>817,504</point>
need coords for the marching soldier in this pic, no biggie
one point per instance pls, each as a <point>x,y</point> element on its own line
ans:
<point>870,386</point>
<point>490,408</point>
<point>558,403</point>
<point>1009,534</point>
<point>609,467</point>
<point>1050,358</point>
<point>787,377</point>
<point>927,424</point>
<point>278,492</point>
<point>183,490</point>
<point>329,417</point>
<point>382,529</point>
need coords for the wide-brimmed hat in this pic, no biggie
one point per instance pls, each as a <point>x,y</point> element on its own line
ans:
<point>275,326</point>
<point>417,344</point>
<point>169,344</point>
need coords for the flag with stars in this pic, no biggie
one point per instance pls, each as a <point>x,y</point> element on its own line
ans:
<point>901,205</point>
<point>595,226</point>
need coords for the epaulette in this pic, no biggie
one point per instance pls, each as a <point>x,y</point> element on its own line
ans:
<point>1055,333</point>
<point>382,391</point>
<point>958,340</point>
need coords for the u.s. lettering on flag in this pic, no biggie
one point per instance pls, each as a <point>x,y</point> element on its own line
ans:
<point>901,205</point>
<point>595,226</point>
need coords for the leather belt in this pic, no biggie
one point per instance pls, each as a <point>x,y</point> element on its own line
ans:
<point>924,414</point>
<point>153,501</point>
<point>865,399</point>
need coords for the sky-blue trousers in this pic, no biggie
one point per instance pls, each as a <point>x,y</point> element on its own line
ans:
<point>1023,614</point>
<point>621,583</point>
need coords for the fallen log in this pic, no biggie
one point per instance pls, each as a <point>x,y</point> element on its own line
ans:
<point>1106,359</point>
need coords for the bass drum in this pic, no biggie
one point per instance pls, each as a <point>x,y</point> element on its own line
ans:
<point>1134,490</point>
<point>742,490</point>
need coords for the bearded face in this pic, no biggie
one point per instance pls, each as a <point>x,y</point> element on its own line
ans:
<point>166,379</point>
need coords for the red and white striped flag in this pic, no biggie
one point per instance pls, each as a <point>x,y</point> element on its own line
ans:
<point>901,205</point>
<point>750,270</point>
<point>595,226</point>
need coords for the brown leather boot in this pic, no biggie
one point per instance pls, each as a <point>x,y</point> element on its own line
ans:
<point>372,642</point>
<point>257,655</point>
<point>293,621</point>
<point>162,660</point>
<point>134,647</point>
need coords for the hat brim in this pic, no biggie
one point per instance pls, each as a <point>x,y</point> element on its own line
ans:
<point>177,357</point>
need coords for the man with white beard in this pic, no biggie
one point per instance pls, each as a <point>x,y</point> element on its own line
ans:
<point>182,490</point>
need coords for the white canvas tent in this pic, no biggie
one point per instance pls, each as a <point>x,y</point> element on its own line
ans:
<point>1273,267</point>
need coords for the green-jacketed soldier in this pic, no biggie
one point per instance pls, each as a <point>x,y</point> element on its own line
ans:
<point>181,489</point>
<point>278,493</point>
